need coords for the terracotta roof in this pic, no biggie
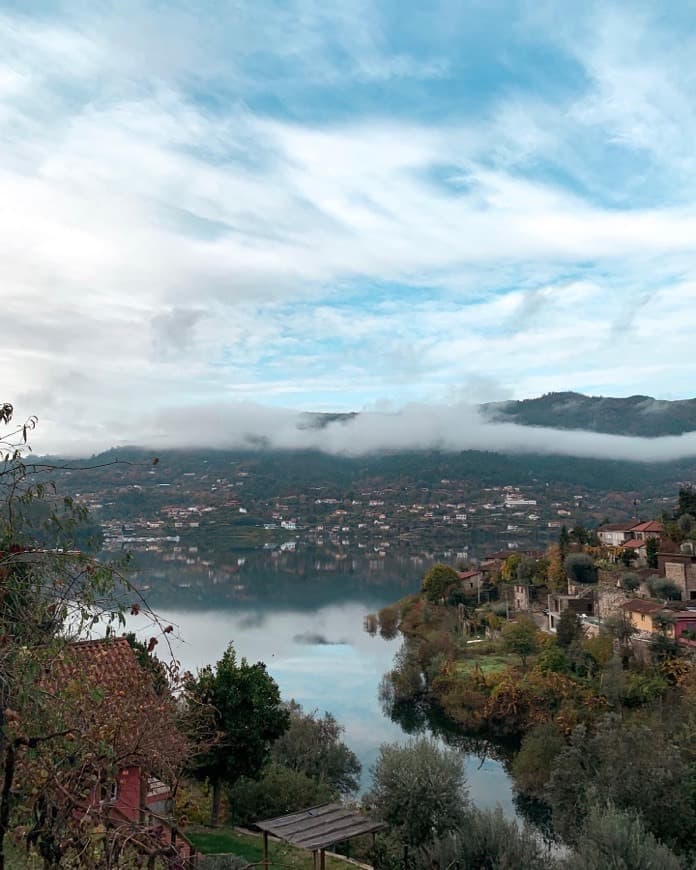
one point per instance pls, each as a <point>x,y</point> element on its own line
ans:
<point>650,526</point>
<point>640,605</point>
<point>465,575</point>
<point>634,544</point>
<point>100,662</point>
<point>615,527</point>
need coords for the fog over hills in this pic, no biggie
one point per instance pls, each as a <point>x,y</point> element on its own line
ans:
<point>637,429</point>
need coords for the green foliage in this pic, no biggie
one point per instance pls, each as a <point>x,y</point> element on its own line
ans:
<point>636,767</point>
<point>389,621</point>
<point>438,581</point>
<point>630,582</point>
<point>666,590</point>
<point>532,766</point>
<point>419,790</point>
<point>612,838</point>
<point>580,568</point>
<point>313,746</point>
<point>552,659</point>
<point>687,501</point>
<point>521,638</point>
<point>652,545</point>
<point>569,629</point>
<point>487,841</point>
<point>241,704</point>
<point>280,790</point>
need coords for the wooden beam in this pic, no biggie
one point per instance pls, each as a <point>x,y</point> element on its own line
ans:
<point>265,850</point>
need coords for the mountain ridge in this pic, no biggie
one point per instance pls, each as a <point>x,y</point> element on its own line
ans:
<point>637,415</point>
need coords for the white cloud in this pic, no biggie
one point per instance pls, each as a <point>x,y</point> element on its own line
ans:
<point>165,240</point>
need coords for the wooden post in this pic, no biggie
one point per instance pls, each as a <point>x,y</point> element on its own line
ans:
<point>265,850</point>
<point>322,860</point>
<point>314,859</point>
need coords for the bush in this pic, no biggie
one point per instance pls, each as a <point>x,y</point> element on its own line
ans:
<point>278,791</point>
<point>580,568</point>
<point>419,790</point>
<point>534,762</point>
<point>661,587</point>
<point>438,581</point>
<point>488,840</point>
<point>615,838</point>
<point>630,582</point>
<point>389,621</point>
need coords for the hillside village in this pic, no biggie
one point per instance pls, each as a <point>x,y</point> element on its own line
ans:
<point>210,515</point>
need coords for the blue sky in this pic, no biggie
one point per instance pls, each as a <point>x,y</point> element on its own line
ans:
<point>347,206</point>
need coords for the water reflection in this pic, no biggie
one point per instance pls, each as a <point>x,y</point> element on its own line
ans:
<point>324,659</point>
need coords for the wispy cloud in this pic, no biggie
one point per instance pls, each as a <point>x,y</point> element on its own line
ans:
<point>328,206</point>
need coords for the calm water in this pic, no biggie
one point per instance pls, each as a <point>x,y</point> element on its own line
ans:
<point>320,655</point>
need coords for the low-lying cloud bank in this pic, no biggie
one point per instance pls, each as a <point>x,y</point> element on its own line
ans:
<point>414,427</point>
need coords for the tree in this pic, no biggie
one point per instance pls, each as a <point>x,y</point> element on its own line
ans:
<point>437,582</point>
<point>278,791</point>
<point>652,545</point>
<point>59,742</point>
<point>616,838</point>
<point>312,745</point>
<point>419,790</point>
<point>580,568</point>
<point>630,582</point>
<point>569,629</point>
<point>241,704</point>
<point>637,767</point>
<point>666,590</point>
<point>521,638</point>
<point>534,762</point>
<point>687,501</point>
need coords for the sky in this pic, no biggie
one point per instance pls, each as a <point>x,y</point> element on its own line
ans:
<point>255,207</point>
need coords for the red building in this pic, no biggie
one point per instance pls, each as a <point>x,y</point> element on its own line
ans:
<point>117,700</point>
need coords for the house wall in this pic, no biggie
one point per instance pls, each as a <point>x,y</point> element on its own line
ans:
<point>128,797</point>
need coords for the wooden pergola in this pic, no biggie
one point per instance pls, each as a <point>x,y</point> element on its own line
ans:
<point>317,828</point>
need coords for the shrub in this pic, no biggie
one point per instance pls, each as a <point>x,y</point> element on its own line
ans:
<point>534,762</point>
<point>419,790</point>
<point>580,568</point>
<point>280,790</point>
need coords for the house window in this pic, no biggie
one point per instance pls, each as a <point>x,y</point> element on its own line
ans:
<point>108,792</point>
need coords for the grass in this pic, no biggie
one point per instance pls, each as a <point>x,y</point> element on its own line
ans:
<point>488,664</point>
<point>250,848</point>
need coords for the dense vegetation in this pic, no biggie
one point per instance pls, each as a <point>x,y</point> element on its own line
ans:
<point>634,415</point>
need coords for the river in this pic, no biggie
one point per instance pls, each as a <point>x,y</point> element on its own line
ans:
<point>320,655</point>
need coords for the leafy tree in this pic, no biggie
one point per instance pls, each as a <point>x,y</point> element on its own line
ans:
<point>687,501</point>
<point>419,790</point>
<point>552,659</point>
<point>278,791</point>
<point>661,587</point>
<point>534,762</point>
<point>580,535</point>
<point>312,745</point>
<point>630,582</point>
<point>580,568</point>
<point>438,581</point>
<point>564,540</point>
<point>389,621</point>
<point>652,546</point>
<point>569,629</point>
<point>687,525</point>
<point>241,704</point>
<point>521,638</point>
<point>58,743</point>
<point>616,838</point>
<point>637,767</point>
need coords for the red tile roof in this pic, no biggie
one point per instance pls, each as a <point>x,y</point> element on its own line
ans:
<point>634,544</point>
<point>466,575</point>
<point>640,605</point>
<point>101,663</point>
<point>650,526</point>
